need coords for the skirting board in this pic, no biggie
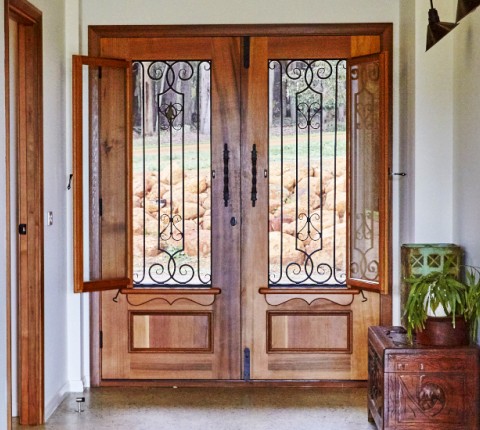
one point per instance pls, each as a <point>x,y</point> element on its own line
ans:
<point>59,397</point>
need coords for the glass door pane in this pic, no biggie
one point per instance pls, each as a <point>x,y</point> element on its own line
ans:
<point>171,174</point>
<point>307,172</point>
<point>365,162</point>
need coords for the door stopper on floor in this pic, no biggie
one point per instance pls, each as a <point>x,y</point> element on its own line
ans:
<point>80,401</point>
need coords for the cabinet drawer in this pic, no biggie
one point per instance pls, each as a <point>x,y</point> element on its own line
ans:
<point>428,362</point>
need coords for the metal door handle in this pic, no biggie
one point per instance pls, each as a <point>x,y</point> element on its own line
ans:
<point>254,175</point>
<point>226,191</point>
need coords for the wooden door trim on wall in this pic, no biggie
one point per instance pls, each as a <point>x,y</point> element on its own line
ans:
<point>30,138</point>
<point>97,33</point>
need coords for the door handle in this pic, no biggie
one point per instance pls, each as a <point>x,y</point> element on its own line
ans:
<point>254,175</point>
<point>226,191</point>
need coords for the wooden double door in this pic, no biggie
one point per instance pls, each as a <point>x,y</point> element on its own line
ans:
<point>237,225</point>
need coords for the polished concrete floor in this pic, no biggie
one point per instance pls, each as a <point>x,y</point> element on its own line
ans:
<point>245,408</point>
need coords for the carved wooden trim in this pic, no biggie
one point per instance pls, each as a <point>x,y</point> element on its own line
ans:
<point>142,296</point>
<point>279,296</point>
<point>130,31</point>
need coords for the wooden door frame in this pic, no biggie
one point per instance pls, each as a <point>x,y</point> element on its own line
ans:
<point>29,93</point>
<point>99,32</point>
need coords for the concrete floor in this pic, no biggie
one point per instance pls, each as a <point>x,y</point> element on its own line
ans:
<point>245,408</point>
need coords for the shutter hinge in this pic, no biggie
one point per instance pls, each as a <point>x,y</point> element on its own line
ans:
<point>100,72</point>
<point>246,364</point>
<point>100,207</point>
<point>101,339</point>
<point>246,52</point>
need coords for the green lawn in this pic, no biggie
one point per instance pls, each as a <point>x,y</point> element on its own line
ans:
<point>289,151</point>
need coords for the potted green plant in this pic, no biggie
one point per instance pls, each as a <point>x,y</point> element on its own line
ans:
<point>443,310</point>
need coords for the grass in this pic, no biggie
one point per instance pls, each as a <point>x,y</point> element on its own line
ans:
<point>190,153</point>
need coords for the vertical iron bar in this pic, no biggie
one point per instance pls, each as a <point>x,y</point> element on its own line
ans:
<point>144,257</point>
<point>335,149</point>
<point>226,192</point>
<point>281,169</point>
<point>197,127</point>
<point>296,168</point>
<point>254,174</point>
<point>246,52</point>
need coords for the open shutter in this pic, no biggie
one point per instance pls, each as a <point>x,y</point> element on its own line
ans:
<point>102,136</point>
<point>368,219</point>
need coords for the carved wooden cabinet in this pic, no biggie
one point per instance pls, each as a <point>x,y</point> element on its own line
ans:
<point>416,387</point>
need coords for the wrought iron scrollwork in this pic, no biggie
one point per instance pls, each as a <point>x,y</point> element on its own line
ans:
<point>254,175</point>
<point>365,141</point>
<point>309,96</point>
<point>182,102</point>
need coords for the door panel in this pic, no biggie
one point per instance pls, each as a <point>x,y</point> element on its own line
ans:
<point>101,166</point>
<point>368,155</point>
<point>182,318</point>
<point>302,321</point>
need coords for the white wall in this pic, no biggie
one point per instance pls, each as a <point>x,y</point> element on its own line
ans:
<point>405,186</point>
<point>433,129</point>
<point>466,143</point>
<point>55,182</point>
<point>236,11</point>
<point>4,419</point>
<point>77,304</point>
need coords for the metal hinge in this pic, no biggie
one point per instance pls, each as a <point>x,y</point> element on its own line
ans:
<point>246,52</point>
<point>99,73</point>
<point>101,339</point>
<point>100,207</point>
<point>246,364</point>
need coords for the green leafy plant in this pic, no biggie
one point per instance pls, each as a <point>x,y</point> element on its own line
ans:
<point>443,291</point>
<point>472,300</point>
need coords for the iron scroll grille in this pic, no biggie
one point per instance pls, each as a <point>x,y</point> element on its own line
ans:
<point>365,138</point>
<point>307,173</point>
<point>171,169</point>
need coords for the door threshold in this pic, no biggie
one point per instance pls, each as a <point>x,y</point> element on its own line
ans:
<point>231,383</point>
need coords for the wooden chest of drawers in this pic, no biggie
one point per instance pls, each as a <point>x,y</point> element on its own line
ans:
<point>416,387</point>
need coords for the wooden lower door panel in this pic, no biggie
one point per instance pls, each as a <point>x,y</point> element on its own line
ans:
<point>153,339</point>
<point>320,340</point>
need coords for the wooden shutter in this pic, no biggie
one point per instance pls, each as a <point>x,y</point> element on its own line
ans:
<point>102,159</point>
<point>368,221</point>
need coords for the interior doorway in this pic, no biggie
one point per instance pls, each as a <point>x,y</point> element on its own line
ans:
<point>24,166</point>
<point>266,310</point>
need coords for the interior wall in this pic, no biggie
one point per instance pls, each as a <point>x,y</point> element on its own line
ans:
<point>432,146</point>
<point>78,371</point>
<point>406,154</point>
<point>55,183</point>
<point>466,143</point>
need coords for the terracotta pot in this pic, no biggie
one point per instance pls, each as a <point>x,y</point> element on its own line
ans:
<point>439,331</point>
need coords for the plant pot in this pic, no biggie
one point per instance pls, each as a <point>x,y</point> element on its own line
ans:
<point>439,331</point>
